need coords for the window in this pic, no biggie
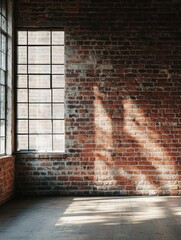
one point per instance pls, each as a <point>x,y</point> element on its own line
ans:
<point>40,91</point>
<point>3,53</point>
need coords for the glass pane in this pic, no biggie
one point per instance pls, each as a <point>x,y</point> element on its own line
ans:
<point>57,38</point>
<point>58,55</point>
<point>3,43</point>
<point>58,95</point>
<point>22,69</point>
<point>2,110</point>
<point>22,142</point>
<point>57,69</point>
<point>39,69</point>
<point>3,61</point>
<point>0,60</point>
<point>2,77</point>
<point>22,38</point>
<point>4,7</point>
<point>22,55</point>
<point>2,128</point>
<point>2,94</point>
<point>40,126</point>
<point>39,38</point>
<point>22,81</point>
<point>39,95</point>
<point>39,81</point>
<point>41,142</point>
<point>58,143</point>
<point>40,111</point>
<point>3,19</point>
<point>0,38</point>
<point>39,55</point>
<point>22,111</point>
<point>58,126</point>
<point>58,111</point>
<point>22,126</point>
<point>2,145</point>
<point>58,81</point>
<point>22,95</point>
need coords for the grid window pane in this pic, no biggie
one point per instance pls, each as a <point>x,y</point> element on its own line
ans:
<point>58,111</point>
<point>4,8</point>
<point>58,126</point>
<point>58,69</point>
<point>3,61</point>
<point>40,126</point>
<point>2,128</point>
<point>22,111</point>
<point>58,81</point>
<point>22,55</point>
<point>2,110</point>
<point>39,95</point>
<point>22,69</point>
<point>2,94</point>
<point>22,142</point>
<point>57,54</point>
<point>22,81</point>
<point>3,23</point>
<point>40,142</point>
<point>39,55</point>
<point>39,81</point>
<point>2,77</point>
<point>39,37</point>
<point>40,111</point>
<point>22,38</point>
<point>58,143</point>
<point>22,95</point>
<point>39,69</point>
<point>57,38</point>
<point>22,126</point>
<point>3,45</point>
<point>2,145</point>
<point>40,91</point>
<point>58,95</point>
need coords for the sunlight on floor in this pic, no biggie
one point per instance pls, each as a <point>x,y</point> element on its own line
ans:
<point>112,211</point>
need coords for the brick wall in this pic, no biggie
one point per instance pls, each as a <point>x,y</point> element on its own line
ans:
<point>6,178</point>
<point>123,98</point>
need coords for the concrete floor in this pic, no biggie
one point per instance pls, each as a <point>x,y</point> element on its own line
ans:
<point>96,218</point>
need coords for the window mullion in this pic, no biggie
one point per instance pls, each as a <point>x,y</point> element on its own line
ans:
<point>51,86</point>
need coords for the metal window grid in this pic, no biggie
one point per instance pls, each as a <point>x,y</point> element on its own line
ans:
<point>28,88</point>
<point>3,67</point>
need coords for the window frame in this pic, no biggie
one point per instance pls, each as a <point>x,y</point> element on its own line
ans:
<point>9,79</point>
<point>3,69</point>
<point>27,151</point>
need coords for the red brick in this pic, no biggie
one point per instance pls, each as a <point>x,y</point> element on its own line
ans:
<point>123,105</point>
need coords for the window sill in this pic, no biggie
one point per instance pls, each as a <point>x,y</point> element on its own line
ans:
<point>6,157</point>
<point>35,155</point>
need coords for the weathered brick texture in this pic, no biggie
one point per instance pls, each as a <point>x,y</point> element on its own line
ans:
<point>6,178</point>
<point>123,98</point>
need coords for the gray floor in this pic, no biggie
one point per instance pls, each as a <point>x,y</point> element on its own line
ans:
<point>93,218</point>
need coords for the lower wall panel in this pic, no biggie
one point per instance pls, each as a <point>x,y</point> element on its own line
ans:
<point>47,175</point>
<point>7,168</point>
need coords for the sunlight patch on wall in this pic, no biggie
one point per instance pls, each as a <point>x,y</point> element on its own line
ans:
<point>137,125</point>
<point>103,135</point>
